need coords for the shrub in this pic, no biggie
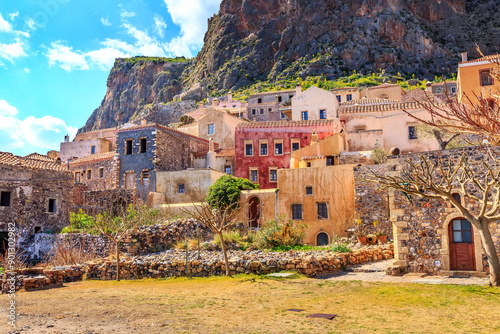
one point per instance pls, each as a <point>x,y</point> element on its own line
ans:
<point>276,233</point>
<point>379,156</point>
<point>236,238</point>
<point>65,253</point>
<point>341,248</point>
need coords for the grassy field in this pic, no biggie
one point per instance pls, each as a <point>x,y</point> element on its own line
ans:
<point>253,304</point>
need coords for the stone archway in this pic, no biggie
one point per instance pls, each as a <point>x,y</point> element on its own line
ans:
<point>254,212</point>
<point>322,239</point>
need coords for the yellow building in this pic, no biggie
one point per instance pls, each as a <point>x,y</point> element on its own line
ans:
<point>474,79</point>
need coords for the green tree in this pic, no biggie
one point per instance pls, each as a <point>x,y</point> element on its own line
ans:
<point>225,192</point>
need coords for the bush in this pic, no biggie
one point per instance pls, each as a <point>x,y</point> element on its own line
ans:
<point>276,233</point>
<point>236,238</point>
<point>379,156</point>
<point>225,192</point>
<point>341,248</point>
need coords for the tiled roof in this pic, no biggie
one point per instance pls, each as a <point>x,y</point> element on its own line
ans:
<point>92,158</point>
<point>284,124</point>
<point>485,58</point>
<point>314,157</point>
<point>383,107</point>
<point>367,101</point>
<point>274,92</point>
<point>228,152</point>
<point>162,127</point>
<point>10,159</point>
<point>39,157</point>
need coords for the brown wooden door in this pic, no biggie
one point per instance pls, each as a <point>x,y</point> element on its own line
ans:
<point>462,255</point>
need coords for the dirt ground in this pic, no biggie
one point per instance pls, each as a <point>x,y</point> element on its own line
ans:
<point>253,304</point>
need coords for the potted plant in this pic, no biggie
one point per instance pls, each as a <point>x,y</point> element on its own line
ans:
<point>359,233</point>
<point>381,234</point>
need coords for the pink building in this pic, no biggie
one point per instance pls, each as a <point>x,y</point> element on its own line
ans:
<point>261,148</point>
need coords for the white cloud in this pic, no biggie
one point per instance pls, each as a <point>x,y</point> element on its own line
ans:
<point>6,109</point>
<point>104,58</point>
<point>13,50</point>
<point>191,16</point>
<point>124,14</point>
<point>45,132</point>
<point>160,25</point>
<point>105,21</point>
<point>4,25</point>
<point>64,56</point>
<point>26,70</point>
<point>30,23</point>
<point>12,16</point>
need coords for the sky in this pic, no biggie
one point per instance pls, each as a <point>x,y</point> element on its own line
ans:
<point>55,57</point>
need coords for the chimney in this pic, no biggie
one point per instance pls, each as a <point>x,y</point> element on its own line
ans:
<point>314,137</point>
<point>230,97</point>
<point>215,103</point>
<point>211,145</point>
<point>276,99</point>
<point>298,89</point>
<point>144,122</point>
<point>464,57</point>
<point>201,106</point>
<point>66,139</point>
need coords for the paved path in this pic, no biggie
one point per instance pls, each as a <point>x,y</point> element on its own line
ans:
<point>375,272</point>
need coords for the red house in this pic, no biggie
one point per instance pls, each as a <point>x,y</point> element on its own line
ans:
<point>261,148</point>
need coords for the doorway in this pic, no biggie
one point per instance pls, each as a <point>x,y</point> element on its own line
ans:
<point>322,239</point>
<point>462,252</point>
<point>254,212</point>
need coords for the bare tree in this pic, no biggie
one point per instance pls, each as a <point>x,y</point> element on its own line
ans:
<point>218,219</point>
<point>438,179</point>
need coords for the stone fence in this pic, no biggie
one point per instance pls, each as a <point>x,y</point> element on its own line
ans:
<point>172,263</point>
<point>144,240</point>
<point>31,279</point>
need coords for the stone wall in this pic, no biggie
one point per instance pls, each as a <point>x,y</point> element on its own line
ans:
<point>145,240</point>
<point>101,169</point>
<point>173,263</point>
<point>32,279</point>
<point>105,199</point>
<point>354,159</point>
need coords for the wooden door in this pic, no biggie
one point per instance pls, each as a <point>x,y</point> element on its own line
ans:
<point>462,255</point>
<point>130,181</point>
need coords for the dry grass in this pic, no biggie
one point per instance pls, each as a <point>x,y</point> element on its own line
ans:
<point>65,252</point>
<point>252,304</point>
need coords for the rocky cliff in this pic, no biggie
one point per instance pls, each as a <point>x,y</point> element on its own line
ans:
<point>257,40</point>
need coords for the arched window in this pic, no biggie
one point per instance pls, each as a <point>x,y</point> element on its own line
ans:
<point>322,239</point>
<point>457,197</point>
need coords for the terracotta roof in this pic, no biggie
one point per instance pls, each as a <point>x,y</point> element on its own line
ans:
<point>227,152</point>
<point>10,159</point>
<point>485,58</point>
<point>92,158</point>
<point>188,125</point>
<point>162,127</point>
<point>288,124</point>
<point>383,107</point>
<point>274,92</point>
<point>367,101</point>
<point>196,114</point>
<point>39,157</point>
<point>386,85</point>
<point>314,157</point>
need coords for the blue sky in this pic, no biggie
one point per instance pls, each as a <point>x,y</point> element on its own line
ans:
<point>55,56</point>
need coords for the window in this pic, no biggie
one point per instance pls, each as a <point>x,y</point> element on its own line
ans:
<point>211,128</point>
<point>457,197</point>
<point>92,150</point>
<point>262,111</point>
<point>412,132</point>
<point>283,115</point>
<point>259,100</point>
<point>322,211</point>
<point>453,90</point>
<point>5,198</point>
<point>263,149</point>
<point>181,188</point>
<point>296,211</point>
<point>330,161</point>
<point>145,178</point>
<point>322,114</point>
<point>462,231</point>
<point>304,115</point>
<point>248,149</point>
<point>349,97</point>
<point>143,142</point>
<point>101,172</point>
<point>339,98</point>
<point>278,148</point>
<point>270,109</point>
<point>253,111</point>
<point>485,78</point>
<point>295,144</point>
<point>280,99</point>
<point>273,175</point>
<point>77,177</point>
<point>308,164</point>
<point>89,174</point>
<point>309,190</point>
<point>52,205</point>
<point>128,146</point>
<point>227,169</point>
<point>38,229</point>
<point>254,175</point>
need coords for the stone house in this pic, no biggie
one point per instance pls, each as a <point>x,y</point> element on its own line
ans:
<point>372,123</point>
<point>314,104</point>
<point>88,143</point>
<point>346,94</point>
<point>96,171</point>
<point>384,91</point>
<point>221,160</point>
<point>262,148</point>
<point>35,195</point>
<point>474,79</point>
<point>147,148</point>
<point>265,107</point>
<point>320,153</point>
<point>214,124</point>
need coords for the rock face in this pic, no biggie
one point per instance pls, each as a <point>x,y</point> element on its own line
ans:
<point>256,40</point>
<point>250,41</point>
<point>135,86</point>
